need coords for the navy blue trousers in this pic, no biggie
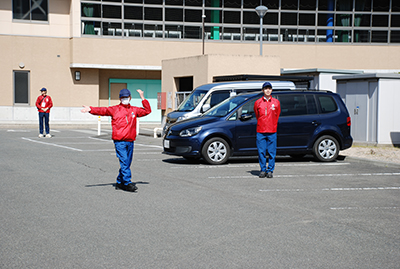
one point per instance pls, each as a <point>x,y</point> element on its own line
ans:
<point>45,117</point>
<point>266,144</point>
<point>124,151</point>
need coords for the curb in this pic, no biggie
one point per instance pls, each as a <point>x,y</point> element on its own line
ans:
<point>373,162</point>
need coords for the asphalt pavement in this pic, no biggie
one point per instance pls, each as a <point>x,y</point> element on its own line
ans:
<point>59,208</point>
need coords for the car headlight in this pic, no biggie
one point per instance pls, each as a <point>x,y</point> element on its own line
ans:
<point>190,132</point>
<point>184,117</point>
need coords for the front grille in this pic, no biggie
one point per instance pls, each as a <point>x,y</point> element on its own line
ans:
<point>172,133</point>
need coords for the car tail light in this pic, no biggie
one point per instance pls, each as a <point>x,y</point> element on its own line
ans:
<point>348,121</point>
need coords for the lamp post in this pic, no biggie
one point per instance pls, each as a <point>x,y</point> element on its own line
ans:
<point>261,11</point>
<point>202,32</point>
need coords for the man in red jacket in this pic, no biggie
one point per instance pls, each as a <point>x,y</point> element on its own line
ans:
<point>123,121</point>
<point>43,104</point>
<point>267,110</point>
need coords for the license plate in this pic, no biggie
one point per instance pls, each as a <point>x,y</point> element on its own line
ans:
<point>166,144</point>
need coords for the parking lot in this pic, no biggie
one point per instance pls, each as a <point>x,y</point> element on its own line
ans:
<point>59,209</point>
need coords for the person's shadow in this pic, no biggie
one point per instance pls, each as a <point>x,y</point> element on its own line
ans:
<point>113,184</point>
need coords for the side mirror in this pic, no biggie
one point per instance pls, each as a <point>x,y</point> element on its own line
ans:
<point>205,107</point>
<point>245,117</point>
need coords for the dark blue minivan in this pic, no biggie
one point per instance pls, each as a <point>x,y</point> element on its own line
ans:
<point>311,122</point>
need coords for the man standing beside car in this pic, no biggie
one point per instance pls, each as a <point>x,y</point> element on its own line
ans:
<point>267,110</point>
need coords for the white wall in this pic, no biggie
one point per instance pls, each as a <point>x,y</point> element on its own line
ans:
<point>389,112</point>
<point>326,82</point>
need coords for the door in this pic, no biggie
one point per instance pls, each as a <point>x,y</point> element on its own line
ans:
<point>298,120</point>
<point>246,131</point>
<point>357,104</point>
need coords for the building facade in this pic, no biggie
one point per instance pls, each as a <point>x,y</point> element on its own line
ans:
<point>85,51</point>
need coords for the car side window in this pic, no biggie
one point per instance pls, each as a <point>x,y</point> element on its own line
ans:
<point>311,105</point>
<point>217,97</point>
<point>327,103</point>
<point>293,104</point>
<point>249,108</point>
<point>233,116</point>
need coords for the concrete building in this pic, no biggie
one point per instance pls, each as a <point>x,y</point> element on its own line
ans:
<point>85,51</point>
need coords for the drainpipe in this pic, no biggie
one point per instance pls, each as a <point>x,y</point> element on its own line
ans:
<point>329,22</point>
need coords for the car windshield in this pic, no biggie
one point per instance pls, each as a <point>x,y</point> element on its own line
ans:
<point>192,101</point>
<point>227,106</point>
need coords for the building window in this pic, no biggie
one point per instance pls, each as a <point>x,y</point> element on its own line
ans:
<point>30,10</point>
<point>21,87</point>
<point>333,21</point>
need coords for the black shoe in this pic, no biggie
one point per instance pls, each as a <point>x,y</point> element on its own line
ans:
<point>262,174</point>
<point>269,175</point>
<point>119,186</point>
<point>130,187</point>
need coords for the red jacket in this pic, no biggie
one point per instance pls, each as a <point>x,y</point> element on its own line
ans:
<point>267,114</point>
<point>44,102</point>
<point>123,119</point>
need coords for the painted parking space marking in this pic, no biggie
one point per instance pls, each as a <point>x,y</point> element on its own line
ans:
<point>18,131</point>
<point>365,208</point>
<point>150,146</point>
<point>81,143</point>
<point>146,152</point>
<point>50,144</point>
<point>101,139</point>
<point>27,131</point>
<point>55,142</point>
<point>333,189</point>
<point>197,166</point>
<point>147,160</point>
<point>316,175</point>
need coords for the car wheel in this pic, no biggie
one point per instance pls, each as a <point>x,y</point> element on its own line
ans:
<point>326,149</point>
<point>216,151</point>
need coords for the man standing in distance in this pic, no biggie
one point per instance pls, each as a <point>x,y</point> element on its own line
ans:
<point>43,104</point>
<point>123,121</point>
<point>267,110</point>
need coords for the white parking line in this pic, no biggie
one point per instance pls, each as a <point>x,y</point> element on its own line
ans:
<point>364,208</point>
<point>150,146</point>
<point>318,175</point>
<point>147,153</point>
<point>98,150</point>
<point>51,144</point>
<point>18,131</point>
<point>81,143</point>
<point>28,131</point>
<point>101,141</point>
<point>333,189</point>
<point>196,166</point>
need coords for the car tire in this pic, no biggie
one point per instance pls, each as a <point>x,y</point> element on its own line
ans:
<point>216,151</point>
<point>326,149</point>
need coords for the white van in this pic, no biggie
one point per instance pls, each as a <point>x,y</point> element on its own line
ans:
<point>206,96</point>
